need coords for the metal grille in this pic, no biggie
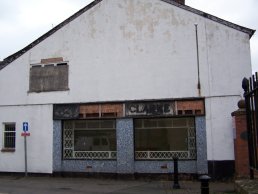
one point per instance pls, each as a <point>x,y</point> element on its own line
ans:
<point>9,136</point>
<point>95,155</point>
<point>68,140</point>
<point>162,155</point>
<point>191,143</point>
<point>251,101</point>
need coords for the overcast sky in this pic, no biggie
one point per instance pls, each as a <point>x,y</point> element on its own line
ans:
<point>23,21</point>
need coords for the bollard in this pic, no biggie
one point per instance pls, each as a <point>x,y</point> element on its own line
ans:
<point>176,183</point>
<point>205,184</point>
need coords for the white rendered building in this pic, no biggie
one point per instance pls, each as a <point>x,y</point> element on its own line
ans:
<point>123,87</point>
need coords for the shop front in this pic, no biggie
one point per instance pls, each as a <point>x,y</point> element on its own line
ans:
<point>130,137</point>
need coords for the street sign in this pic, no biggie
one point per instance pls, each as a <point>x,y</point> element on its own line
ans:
<point>25,134</point>
<point>25,126</point>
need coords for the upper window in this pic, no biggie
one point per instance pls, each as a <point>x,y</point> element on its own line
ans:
<point>165,138</point>
<point>92,139</point>
<point>49,75</point>
<point>9,136</point>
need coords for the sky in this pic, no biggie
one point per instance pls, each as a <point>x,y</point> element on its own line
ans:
<point>23,21</point>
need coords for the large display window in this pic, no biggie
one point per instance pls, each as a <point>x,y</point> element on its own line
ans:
<point>89,139</point>
<point>165,138</point>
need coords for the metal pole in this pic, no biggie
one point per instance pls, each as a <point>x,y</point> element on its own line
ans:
<point>176,183</point>
<point>25,154</point>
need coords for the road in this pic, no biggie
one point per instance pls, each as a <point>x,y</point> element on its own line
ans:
<point>60,185</point>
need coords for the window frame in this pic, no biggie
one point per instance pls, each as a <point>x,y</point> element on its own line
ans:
<point>55,66</point>
<point>4,148</point>
<point>194,151</point>
<point>90,155</point>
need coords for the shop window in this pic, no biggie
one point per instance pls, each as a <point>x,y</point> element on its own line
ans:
<point>49,77</point>
<point>165,138</point>
<point>91,139</point>
<point>9,136</point>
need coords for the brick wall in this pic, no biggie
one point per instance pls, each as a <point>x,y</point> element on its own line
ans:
<point>241,144</point>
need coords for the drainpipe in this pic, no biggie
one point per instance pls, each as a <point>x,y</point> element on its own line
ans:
<point>198,60</point>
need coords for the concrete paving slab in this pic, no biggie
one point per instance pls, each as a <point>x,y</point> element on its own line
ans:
<point>247,186</point>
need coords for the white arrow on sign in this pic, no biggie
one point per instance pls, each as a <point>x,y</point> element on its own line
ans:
<point>25,126</point>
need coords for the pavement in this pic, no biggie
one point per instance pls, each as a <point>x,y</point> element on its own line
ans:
<point>247,186</point>
<point>58,185</point>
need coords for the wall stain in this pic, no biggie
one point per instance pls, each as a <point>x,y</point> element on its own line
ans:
<point>144,17</point>
<point>92,20</point>
<point>167,35</point>
<point>126,33</point>
<point>92,24</point>
<point>120,6</point>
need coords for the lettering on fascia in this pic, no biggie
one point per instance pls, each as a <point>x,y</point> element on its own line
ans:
<point>150,108</point>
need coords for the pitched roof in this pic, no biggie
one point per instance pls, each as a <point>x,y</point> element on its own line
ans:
<point>1,64</point>
<point>213,18</point>
<point>16,55</point>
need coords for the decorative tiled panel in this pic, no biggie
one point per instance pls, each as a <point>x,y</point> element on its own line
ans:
<point>158,166</point>
<point>201,145</point>
<point>57,146</point>
<point>125,146</point>
<point>88,166</point>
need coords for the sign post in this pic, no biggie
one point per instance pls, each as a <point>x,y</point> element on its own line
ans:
<point>25,126</point>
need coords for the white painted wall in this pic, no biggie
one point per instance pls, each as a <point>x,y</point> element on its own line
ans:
<point>219,127</point>
<point>123,50</point>
<point>131,49</point>
<point>39,144</point>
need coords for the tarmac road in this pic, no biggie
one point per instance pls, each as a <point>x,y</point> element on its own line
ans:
<point>59,185</point>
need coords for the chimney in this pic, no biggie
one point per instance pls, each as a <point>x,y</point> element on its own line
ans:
<point>180,1</point>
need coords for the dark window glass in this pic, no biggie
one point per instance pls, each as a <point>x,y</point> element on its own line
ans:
<point>9,136</point>
<point>95,136</point>
<point>166,134</point>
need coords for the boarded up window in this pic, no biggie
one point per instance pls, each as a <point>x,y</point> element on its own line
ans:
<point>49,77</point>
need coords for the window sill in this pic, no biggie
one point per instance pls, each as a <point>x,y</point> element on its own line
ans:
<point>45,91</point>
<point>8,150</point>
